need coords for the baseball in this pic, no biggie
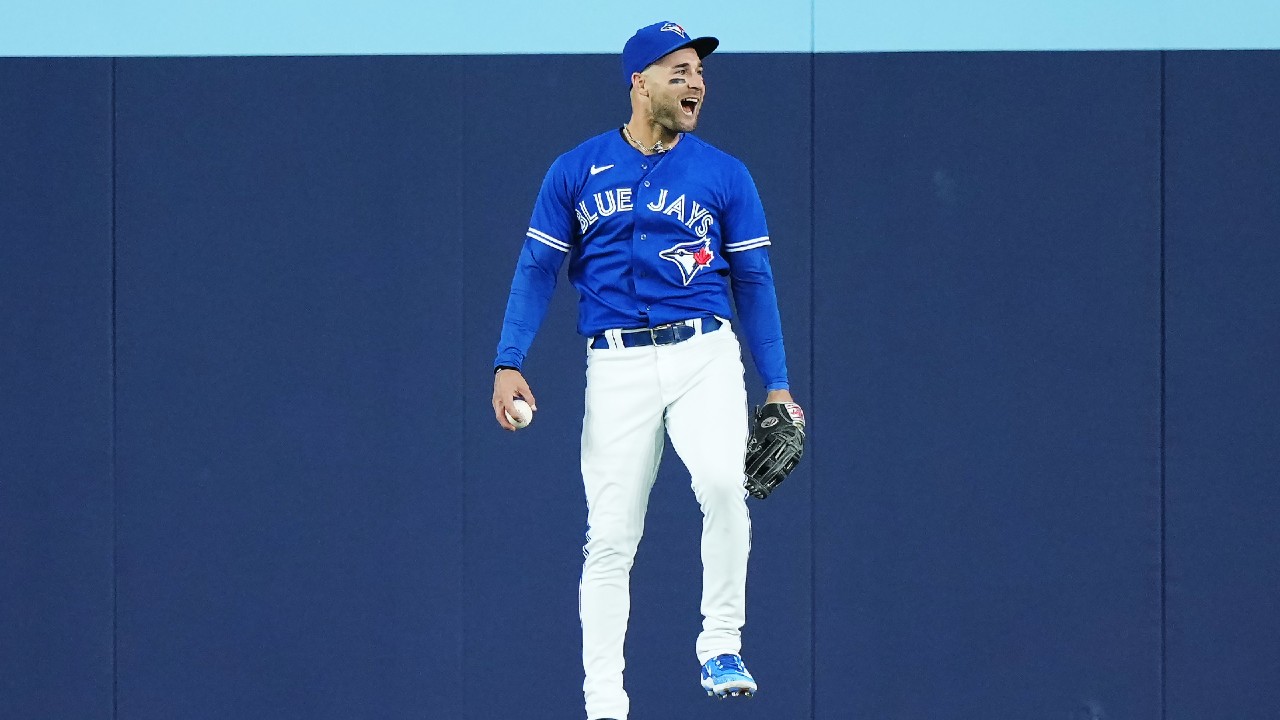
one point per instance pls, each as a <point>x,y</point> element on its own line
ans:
<point>523,416</point>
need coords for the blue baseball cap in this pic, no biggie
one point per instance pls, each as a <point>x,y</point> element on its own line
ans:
<point>652,42</point>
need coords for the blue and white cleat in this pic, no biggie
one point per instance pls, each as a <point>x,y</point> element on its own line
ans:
<point>725,676</point>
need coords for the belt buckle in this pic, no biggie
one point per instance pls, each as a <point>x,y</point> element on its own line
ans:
<point>668,326</point>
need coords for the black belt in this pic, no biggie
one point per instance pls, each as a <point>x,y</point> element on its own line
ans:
<point>668,334</point>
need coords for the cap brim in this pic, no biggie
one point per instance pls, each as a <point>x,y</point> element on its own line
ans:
<point>704,46</point>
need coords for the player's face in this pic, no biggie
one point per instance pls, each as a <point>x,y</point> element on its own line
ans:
<point>677,90</point>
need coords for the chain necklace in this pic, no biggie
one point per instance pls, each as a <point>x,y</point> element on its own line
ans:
<point>658,147</point>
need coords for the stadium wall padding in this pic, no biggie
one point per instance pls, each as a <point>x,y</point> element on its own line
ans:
<point>57,500</point>
<point>1222,381</point>
<point>249,467</point>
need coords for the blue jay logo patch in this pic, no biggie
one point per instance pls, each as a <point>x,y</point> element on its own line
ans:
<point>690,257</point>
<point>672,27</point>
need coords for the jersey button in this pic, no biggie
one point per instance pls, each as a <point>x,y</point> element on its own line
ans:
<point>643,236</point>
<point>646,183</point>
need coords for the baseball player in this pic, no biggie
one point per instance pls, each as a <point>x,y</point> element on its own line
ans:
<point>657,227</point>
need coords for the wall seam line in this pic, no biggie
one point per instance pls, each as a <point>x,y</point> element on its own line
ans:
<point>115,490</point>
<point>1164,644</point>
<point>462,388</point>
<point>813,377</point>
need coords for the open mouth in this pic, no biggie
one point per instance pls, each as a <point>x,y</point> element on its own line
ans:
<point>689,105</point>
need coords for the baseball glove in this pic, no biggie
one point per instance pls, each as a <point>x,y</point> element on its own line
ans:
<point>775,446</point>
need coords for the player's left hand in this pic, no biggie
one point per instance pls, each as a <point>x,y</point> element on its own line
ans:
<point>775,445</point>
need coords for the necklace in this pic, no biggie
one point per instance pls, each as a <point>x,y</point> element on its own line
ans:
<point>658,147</point>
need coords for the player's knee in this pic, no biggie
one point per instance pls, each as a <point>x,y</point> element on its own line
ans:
<point>611,545</point>
<point>722,491</point>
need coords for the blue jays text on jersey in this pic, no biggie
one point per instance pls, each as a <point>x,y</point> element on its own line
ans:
<point>650,239</point>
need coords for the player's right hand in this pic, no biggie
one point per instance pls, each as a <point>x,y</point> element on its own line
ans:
<point>508,385</point>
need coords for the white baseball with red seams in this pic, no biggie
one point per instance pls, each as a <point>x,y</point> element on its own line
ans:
<point>523,416</point>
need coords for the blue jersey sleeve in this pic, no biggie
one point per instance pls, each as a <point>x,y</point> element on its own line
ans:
<point>744,242</point>
<point>546,245</point>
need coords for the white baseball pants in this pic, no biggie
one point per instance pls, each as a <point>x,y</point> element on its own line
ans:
<point>694,390</point>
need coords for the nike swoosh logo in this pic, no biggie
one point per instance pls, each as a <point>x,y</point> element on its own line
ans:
<point>597,170</point>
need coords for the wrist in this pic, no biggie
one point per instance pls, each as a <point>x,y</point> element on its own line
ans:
<point>779,395</point>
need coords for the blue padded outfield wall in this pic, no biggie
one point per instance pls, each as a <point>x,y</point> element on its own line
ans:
<point>56,374</point>
<point>248,467</point>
